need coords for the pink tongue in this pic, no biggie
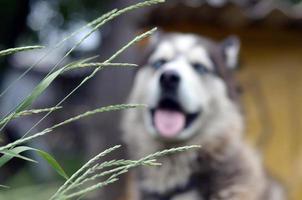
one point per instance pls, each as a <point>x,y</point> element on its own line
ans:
<point>169,123</point>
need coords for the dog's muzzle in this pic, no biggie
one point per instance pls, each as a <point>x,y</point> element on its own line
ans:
<point>169,117</point>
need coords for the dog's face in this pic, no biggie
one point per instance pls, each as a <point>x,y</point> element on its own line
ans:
<point>181,83</point>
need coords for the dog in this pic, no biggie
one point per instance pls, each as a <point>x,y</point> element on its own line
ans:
<point>188,84</point>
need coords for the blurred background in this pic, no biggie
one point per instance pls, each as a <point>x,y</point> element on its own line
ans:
<point>270,77</point>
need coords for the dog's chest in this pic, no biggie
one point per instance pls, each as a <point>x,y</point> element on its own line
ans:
<point>195,189</point>
<point>189,180</point>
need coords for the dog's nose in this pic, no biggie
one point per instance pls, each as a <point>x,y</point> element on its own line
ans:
<point>169,80</point>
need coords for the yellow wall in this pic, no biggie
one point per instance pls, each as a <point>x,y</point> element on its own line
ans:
<point>272,82</point>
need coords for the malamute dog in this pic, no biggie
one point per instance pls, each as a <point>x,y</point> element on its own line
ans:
<point>187,83</point>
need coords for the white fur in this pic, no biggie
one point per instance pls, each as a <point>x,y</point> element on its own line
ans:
<point>193,195</point>
<point>183,43</point>
<point>164,51</point>
<point>199,54</point>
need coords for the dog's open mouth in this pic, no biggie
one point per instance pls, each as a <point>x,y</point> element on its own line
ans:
<point>170,119</point>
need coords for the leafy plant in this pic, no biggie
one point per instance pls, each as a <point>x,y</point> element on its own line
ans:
<point>82,181</point>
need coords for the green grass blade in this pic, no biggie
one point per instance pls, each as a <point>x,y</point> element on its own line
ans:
<point>96,65</point>
<point>52,162</point>
<point>15,152</point>
<point>18,49</point>
<point>90,24</point>
<point>78,62</point>
<point>27,112</point>
<point>78,117</point>
<point>38,90</point>
<point>99,110</point>
<point>4,186</point>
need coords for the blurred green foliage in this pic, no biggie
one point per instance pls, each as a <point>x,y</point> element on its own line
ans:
<point>293,1</point>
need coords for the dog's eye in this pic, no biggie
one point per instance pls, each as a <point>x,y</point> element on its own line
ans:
<point>158,63</point>
<point>200,68</point>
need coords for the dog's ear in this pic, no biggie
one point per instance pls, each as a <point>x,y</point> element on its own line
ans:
<point>231,48</point>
